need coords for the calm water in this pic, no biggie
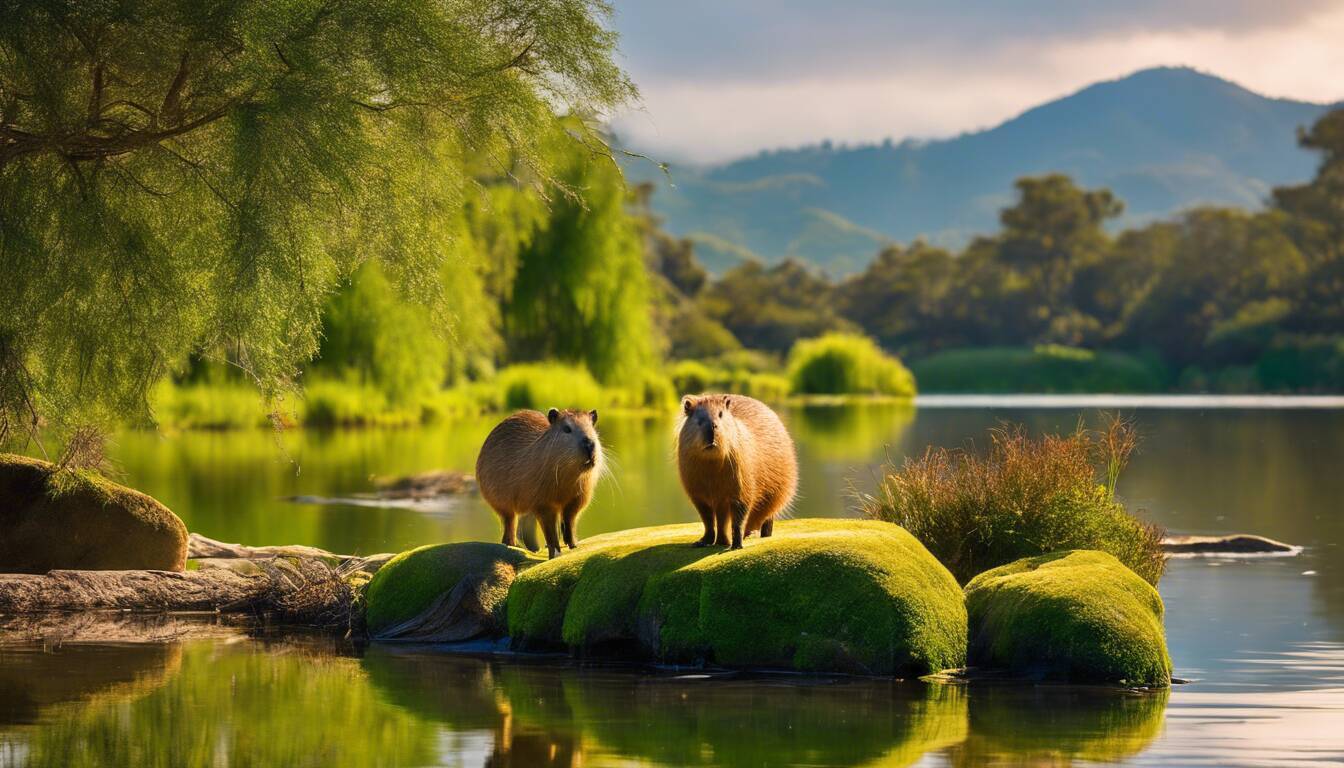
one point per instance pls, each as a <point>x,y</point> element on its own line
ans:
<point>1263,639</point>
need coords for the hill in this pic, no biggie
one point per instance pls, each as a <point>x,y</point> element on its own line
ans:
<point>1163,139</point>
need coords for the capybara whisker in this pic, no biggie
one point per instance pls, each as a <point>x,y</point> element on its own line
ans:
<point>544,465</point>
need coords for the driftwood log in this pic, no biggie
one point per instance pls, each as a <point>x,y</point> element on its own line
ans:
<point>1232,544</point>
<point>288,584</point>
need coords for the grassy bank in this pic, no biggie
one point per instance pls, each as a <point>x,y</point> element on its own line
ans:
<point>1044,369</point>
<point>330,402</point>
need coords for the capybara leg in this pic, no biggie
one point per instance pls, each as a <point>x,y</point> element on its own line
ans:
<point>767,528</point>
<point>722,536</point>
<point>528,532</point>
<point>510,530</point>
<point>549,526</point>
<point>569,526</point>
<point>706,517</point>
<point>739,517</point>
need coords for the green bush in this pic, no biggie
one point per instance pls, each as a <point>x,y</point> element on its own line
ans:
<point>843,364</point>
<point>547,385</point>
<point>347,403</point>
<point>691,378</point>
<point>1044,369</point>
<point>1027,497</point>
<point>222,405</point>
<point>1303,364</point>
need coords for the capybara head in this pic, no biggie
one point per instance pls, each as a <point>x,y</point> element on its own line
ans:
<point>574,437</point>
<point>708,424</point>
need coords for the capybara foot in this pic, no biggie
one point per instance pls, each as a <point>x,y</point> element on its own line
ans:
<point>737,545</point>
<point>702,543</point>
<point>553,552</point>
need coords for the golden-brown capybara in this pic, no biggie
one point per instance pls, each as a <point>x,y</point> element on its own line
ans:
<point>737,464</point>
<point>545,466</point>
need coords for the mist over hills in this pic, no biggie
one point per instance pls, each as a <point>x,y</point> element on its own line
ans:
<point>1163,139</point>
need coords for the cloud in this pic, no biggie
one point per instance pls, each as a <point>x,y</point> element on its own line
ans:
<point>722,79</point>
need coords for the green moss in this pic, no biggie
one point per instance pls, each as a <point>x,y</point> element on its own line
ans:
<point>820,595</point>
<point>79,520</point>
<point>1080,616</point>
<point>410,582</point>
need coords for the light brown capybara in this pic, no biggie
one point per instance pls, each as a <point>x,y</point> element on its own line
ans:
<point>545,466</point>
<point>737,464</point>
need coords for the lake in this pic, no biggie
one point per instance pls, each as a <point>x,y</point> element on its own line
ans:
<point>1260,639</point>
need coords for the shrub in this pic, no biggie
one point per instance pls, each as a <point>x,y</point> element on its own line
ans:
<point>547,385</point>
<point>1027,497</point>
<point>841,363</point>
<point>1048,368</point>
<point>224,405</point>
<point>347,403</point>
<point>692,378</point>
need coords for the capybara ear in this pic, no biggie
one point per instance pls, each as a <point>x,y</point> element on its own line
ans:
<point>593,415</point>
<point>552,415</point>
<point>687,405</point>
<point>727,402</point>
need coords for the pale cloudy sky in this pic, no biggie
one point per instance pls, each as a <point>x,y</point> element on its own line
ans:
<point>722,78</point>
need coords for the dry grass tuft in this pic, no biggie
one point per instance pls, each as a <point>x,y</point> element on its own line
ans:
<point>1028,496</point>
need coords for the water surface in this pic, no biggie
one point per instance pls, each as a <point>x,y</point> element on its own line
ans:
<point>1261,639</point>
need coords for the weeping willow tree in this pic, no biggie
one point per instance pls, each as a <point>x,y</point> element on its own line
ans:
<point>182,176</point>
<point>580,289</point>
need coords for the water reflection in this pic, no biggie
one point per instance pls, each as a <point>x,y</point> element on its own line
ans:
<point>296,702</point>
<point>1058,725</point>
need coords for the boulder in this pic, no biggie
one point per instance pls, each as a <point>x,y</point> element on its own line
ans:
<point>79,520</point>
<point>444,592</point>
<point>853,596</point>
<point>1078,616</point>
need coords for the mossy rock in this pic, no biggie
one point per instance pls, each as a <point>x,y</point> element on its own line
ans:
<point>1077,616</point>
<point>820,596</point>
<point>443,592</point>
<point>77,520</point>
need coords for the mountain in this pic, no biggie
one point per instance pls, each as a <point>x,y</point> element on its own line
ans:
<point>1163,139</point>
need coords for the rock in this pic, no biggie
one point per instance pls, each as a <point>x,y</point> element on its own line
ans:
<point>444,592</point>
<point>1233,544</point>
<point>78,520</point>
<point>820,596</point>
<point>1078,616</point>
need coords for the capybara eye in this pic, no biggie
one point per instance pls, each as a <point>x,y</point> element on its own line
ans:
<point>567,429</point>
<point>720,414</point>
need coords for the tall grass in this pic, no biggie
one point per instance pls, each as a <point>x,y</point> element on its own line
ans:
<point>1027,496</point>
<point>844,364</point>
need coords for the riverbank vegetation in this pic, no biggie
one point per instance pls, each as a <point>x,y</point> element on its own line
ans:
<point>363,233</point>
<point>1025,496</point>
<point>1216,299</point>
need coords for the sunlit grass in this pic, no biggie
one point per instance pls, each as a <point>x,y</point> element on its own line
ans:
<point>1027,496</point>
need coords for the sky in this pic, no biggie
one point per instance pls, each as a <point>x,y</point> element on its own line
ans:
<point>724,78</point>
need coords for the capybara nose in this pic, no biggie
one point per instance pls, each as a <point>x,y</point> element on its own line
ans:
<point>589,447</point>
<point>709,434</point>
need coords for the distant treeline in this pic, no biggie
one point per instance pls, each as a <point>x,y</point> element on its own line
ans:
<point>1217,299</point>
